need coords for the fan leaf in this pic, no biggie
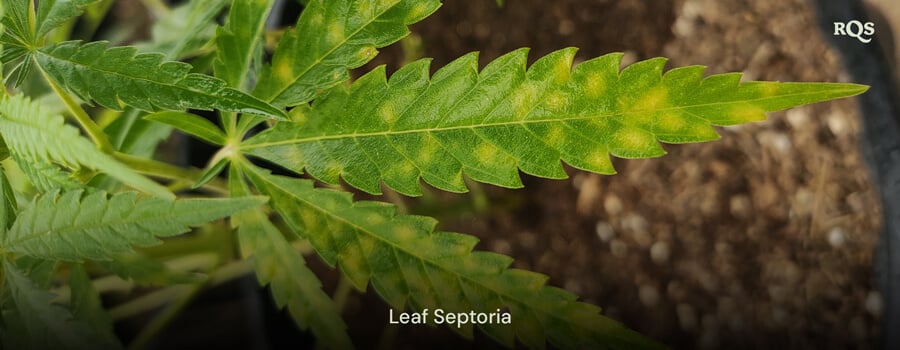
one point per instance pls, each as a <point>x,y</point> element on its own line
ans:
<point>330,38</point>
<point>410,264</point>
<point>40,323</point>
<point>117,75</point>
<point>74,226</point>
<point>32,134</point>
<point>492,123</point>
<point>52,13</point>
<point>238,42</point>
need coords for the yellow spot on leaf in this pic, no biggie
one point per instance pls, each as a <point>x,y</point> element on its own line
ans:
<point>485,153</point>
<point>555,136</point>
<point>309,219</point>
<point>404,233</point>
<point>670,122</point>
<point>556,101</point>
<point>284,69</point>
<point>595,85</point>
<point>335,32</point>
<point>562,71</point>
<point>374,219</point>
<point>599,159</point>
<point>524,99</point>
<point>418,11</point>
<point>655,99</point>
<point>387,113</point>
<point>632,139</point>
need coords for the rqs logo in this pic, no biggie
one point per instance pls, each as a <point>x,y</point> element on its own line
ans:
<point>855,29</point>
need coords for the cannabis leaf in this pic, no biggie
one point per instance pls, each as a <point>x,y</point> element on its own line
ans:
<point>239,40</point>
<point>408,263</point>
<point>330,38</point>
<point>75,226</point>
<point>40,323</point>
<point>281,267</point>
<point>31,133</point>
<point>491,124</point>
<point>52,13</point>
<point>111,76</point>
<point>184,29</point>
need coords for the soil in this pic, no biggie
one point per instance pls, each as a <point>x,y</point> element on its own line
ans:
<point>761,240</point>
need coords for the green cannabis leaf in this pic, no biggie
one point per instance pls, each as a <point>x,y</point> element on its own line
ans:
<point>492,123</point>
<point>111,76</point>
<point>52,13</point>
<point>33,134</point>
<point>42,324</point>
<point>408,263</point>
<point>330,38</point>
<point>239,41</point>
<point>278,265</point>
<point>96,226</point>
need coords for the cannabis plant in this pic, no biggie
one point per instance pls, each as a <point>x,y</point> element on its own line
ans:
<point>85,195</point>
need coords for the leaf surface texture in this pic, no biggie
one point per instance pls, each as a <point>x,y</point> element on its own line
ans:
<point>492,123</point>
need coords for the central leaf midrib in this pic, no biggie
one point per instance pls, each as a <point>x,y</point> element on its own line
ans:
<point>250,145</point>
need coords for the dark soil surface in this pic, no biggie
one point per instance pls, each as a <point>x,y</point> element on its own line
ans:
<point>762,240</point>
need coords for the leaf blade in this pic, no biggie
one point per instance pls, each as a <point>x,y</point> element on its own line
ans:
<point>239,40</point>
<point>52,13</point>
<point>191,124</point>
<point>410,264</point>
<point>32,133</point>
<point>330,38</point>
<point>111,76</point>
<point>92,226</point>
<point>490,124</point>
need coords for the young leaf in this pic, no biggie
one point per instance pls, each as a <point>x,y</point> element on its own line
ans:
<point>330,38</point>
<point>96,226</point>
<point>408,263</point>
<point>31,133</point>
<point>52,13</point>
<point>238,41</point>
<point>111,76</point>
<point>491,124</point>
<point>191,124</point>
<point>18,24</point>
<point>47,325</point>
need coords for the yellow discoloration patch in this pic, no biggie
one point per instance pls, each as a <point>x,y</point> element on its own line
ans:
<point>388,113</point>
<point>366,53</point>
<point>404,233</point>
<point>556,136</point>
<point>428,150</point>
<point>336,32</point>
<point>309,219</point>
<point>335,167</point>
<point>562,71</point>
<point>418,10</point>
<point>655,99</point>
<point>524,99</point>
<point>746,113</point>
<point>599,159</point>
<point>485,153</point>
<point>556,101</point>
<point>632,138</point>
<point>374,219</point>
<point>285,70</point>
<point>670,122</point>
<point>595,86</point>
<point>768,89</point>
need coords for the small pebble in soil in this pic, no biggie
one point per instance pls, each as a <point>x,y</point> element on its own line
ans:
<point>837,123</point>
<point>604,231</point>
<point>618,248</point>
<point>642,238</point>
<point>660,252</point>
<point>798,118</point>
<point>634,223</point>
<point>501,246</point>
<point>874,303</point>
<point>649,295</point>
<point>740,206</point>
<point>837,237</point>
<point>687,317</point>
<point>612,204</point>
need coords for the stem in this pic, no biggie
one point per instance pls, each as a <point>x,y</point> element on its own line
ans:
<point>93,130</point>
<point>167,171</point>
